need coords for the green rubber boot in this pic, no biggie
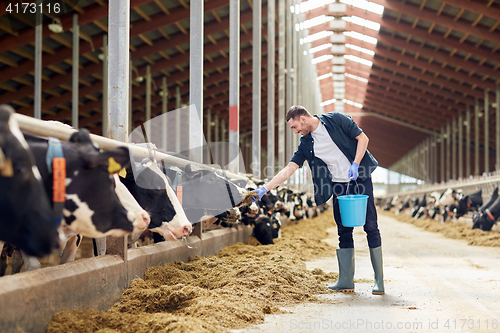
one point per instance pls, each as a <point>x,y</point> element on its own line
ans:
<point>345,283</point>
<point>376,257</point>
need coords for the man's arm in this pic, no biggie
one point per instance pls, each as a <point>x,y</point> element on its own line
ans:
<point>282,176</point>
<point>362,146</point>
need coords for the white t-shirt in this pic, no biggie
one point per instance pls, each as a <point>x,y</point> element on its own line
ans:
<point>327,150</point>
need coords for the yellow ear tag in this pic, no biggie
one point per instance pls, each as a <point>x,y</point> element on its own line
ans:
<point>113,166</point>
<point>123,173</point>
<point>7,169</point>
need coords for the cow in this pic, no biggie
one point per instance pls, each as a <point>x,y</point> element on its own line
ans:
<point>26,218</point>
<point>205,192</point>
<point>477,221</point>
<point>265,227</point>
<point>469,203</point>
<point>92,207</point>
<point>152,190</point>
<point>488,217</point>
<point>419,206</point>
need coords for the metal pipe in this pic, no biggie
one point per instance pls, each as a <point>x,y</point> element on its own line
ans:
<point>209,156</point>
<point>476,137</point>
<point>118,65</point>
<point>76,70</point>
<point>460,147</point>
<point>131,96</point>
<point>118,91</point>
<point>224,150</point>
<point>164,106</point>
<point>234,84</point>
<point>497,100</point>
<point>256,87</point>
<point>289,50</point>
<point>271,59</point>
<point>63,132</point>
<point>486,132</point>
<point>196,80</point>
<point>281,84</point>
<point>148,102</point>
<point>37,102</point>
<point>448,151</point>
<point>105,110</point>
<point>178,119</point>
<point>468,170</point>
<point>442,149</point>
<point>295,49</point>
<point>217,140</point>
<point>453,149</point>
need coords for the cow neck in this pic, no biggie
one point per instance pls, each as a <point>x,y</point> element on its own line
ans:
<point>56,164</point>
<point>228,189</point>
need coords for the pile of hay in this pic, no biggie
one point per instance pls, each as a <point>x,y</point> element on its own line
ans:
<point>232,290</point>
<point>452,230</point>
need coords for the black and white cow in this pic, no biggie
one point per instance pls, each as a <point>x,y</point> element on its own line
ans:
<point>488,217</point>
<point>205,192</point>
<point>487,222</point>
<point>92,208</point>
<point>26,218</point>
<point>152,190</point>
<point>469,203</point>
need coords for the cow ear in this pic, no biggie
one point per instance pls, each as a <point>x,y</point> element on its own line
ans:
<point>82,136</point>
<point>6,169</point>
<point>240,182</point>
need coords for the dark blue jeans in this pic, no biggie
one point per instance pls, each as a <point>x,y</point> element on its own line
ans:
<point>370,227</point>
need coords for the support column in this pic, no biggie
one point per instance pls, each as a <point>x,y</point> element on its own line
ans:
<point>468,170</point>
<point>448,152</point>
<point>164,110</point>
<point>105,110</point>
<point>271,59</point>
<point>454,149</point>
<point>76,70</point>
<point>442,150</point>
<point>289,51</point>
<point>217,140</point>
<point>37,102</point>
<point>460,147</point>
<point>234,84</point>
<point>196,80</point>
<point>497,140</point>
<point>130,96</point>
<point>281,84</point>
<point>224,150</point>
<point>147,116</point>
<point>178,113</point>
<point>256,87</point>
<point>486,132</point>
<point>476,138</point>
<point>118,91</point>
<point>209,156</point>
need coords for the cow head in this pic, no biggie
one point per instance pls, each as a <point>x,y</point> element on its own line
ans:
<point>203,188</point>
<point>149,185</point>
<point>469,203</point>
<point>26,218</point>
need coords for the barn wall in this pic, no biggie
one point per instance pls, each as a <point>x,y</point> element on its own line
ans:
<point>29,300</point>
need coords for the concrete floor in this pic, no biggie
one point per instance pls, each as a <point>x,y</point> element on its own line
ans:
<point>433,284</point>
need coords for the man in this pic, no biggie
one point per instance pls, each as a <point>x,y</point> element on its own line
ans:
<point>336,150</point>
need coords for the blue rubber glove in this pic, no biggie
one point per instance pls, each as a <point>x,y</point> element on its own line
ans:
<point>353,171</point>
<point>260,191</point>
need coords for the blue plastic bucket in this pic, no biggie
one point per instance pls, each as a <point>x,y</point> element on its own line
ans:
<point>353,210</point>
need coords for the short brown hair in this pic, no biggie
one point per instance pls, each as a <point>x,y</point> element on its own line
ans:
<point>296,111</point>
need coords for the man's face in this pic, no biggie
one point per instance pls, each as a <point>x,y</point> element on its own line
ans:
<point>299,125</point>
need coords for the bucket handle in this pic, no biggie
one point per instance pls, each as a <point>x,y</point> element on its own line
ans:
<point>355,186</point>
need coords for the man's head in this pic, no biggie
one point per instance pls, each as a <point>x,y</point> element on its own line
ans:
<point>300,120</point>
